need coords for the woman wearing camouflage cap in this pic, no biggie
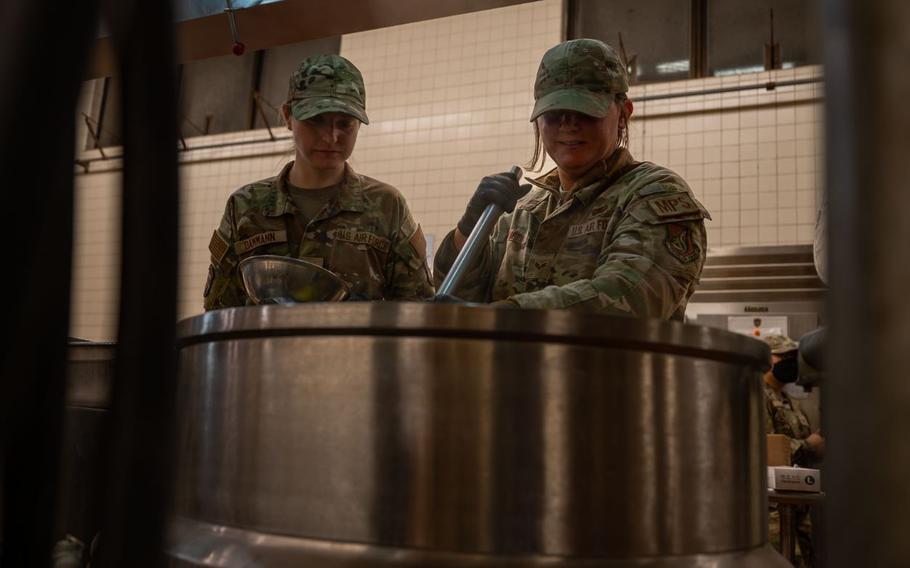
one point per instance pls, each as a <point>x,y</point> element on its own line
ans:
<point>601,232</point>
<point>318,209</point>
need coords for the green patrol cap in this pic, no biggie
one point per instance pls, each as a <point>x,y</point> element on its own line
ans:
<point>327,83</point>
<point>580,75</point>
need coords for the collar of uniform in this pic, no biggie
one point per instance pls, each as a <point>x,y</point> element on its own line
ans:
<point>548,181</point>
<point>280,203</point>
<point>602,176</point>
<point>350,195</point>
<point>604,169</point>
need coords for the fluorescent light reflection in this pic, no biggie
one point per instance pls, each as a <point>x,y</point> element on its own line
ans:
<point>681,66</point>
<point>748,69</point>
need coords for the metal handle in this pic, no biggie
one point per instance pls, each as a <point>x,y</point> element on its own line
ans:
<point>474,244</point>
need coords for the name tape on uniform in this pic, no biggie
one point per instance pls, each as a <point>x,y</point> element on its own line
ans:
<point>267,238</point>
<point>591,226</point>
<point>673,206</point>
<point>360,238</point>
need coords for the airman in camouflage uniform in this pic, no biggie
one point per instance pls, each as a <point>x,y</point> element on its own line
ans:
<point>364,233</point>
<point>781,417</point>
<point>629,239</point>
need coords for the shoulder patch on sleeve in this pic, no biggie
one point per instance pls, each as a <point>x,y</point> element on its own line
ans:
<point>218,246</point>
<point>680,243</point>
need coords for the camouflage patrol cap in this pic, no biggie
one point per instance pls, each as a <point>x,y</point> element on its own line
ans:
<point>581,75</point>
<point>327,83</point>
<point>780,344</point>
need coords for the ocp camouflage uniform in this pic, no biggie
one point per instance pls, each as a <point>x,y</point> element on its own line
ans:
<point>630,240</point>
<point>781,417</point>
<point>366,235</point>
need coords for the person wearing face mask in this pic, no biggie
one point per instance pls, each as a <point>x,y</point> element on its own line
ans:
<point>807,448</point>
<point>601,232</point>
<point>318,209</point>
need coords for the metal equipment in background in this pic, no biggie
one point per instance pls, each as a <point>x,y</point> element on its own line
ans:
<point>756,288</point>
<point>86,423</point>
<point>408,434</point>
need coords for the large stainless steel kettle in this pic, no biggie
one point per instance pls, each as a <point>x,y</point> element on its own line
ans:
<point>393,434</point>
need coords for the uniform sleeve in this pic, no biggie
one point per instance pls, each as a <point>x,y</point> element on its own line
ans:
<point>223,289</point>
<point>476,283</point>
<point>409,277</point>
<point>647,268</point>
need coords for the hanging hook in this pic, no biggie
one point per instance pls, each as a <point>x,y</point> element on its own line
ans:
<point>238,47</point>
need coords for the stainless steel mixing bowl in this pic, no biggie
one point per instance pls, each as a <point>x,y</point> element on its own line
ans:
<point>271,279</point>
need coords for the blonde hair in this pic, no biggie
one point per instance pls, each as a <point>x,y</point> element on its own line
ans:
<point>535,164</point>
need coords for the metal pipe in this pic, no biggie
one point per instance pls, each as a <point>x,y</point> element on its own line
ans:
<point>473,245</point>
<point>186,148</point>
<point>142,414</point>
<point>866,399</point>
<point>768,86</point>
<point>43,83</point>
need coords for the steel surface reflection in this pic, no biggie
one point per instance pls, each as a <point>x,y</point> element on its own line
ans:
<point>407,434</point>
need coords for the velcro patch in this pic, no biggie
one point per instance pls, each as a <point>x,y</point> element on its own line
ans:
<point>360,238</point>
<point>590,226</point>
<point>518,237</point>
<point>654,189</point>
<point>680,244</point>
<point>266,238</point>
<point>673,206</point>
<point>218,247</point>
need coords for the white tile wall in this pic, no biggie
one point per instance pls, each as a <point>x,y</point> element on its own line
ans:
<point>448,101</point>
<point>753,157</point>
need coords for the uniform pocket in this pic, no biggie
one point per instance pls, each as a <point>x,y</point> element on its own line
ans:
<point>360,258</point>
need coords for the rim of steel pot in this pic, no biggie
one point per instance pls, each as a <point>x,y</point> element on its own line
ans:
<point>414,319</point>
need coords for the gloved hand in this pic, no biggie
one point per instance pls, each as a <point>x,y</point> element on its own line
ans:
<point>501,189</point>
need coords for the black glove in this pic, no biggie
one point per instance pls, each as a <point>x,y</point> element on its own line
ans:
<point>501,189</point>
